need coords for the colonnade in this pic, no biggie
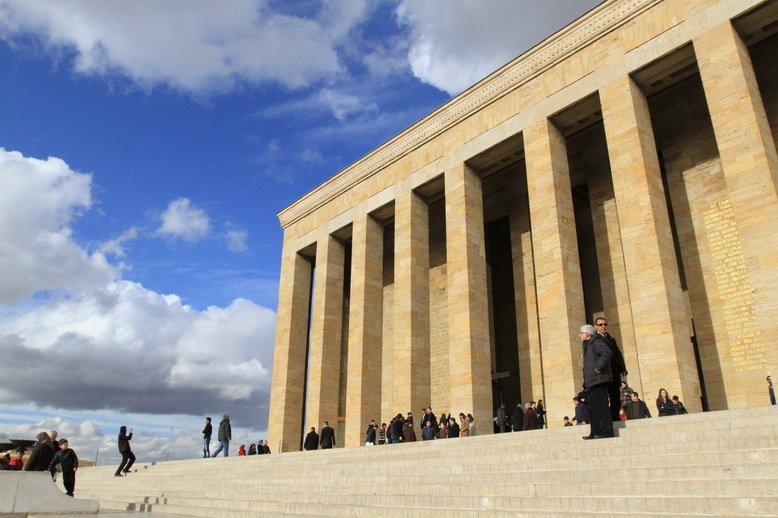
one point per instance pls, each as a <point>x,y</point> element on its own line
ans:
<point>640,264</point>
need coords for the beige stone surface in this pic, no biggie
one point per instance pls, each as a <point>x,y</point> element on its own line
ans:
<point>363,389</point>
<point>326,330</point>
<point>469,380</point>
<point>557,268</point>
<point>657,302</point>
<point>747,270</point>
<point>411,360</point>
<point>288,382</point>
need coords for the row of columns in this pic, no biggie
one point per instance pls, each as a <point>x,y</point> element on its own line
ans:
<point>646,293</point>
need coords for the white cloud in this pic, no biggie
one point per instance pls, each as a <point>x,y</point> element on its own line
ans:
<point>194,46</point>
<point>453,47</point>
<point>237,240</point>
<point>115,246</point>
<point>184,220</point>
<point>128,348</point>
<point>38,201</point>
<point>110,343</point>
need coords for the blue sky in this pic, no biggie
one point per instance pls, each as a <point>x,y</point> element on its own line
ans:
<point>146,149</point>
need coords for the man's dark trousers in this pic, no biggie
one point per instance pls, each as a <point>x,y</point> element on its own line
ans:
<point>599,413</point>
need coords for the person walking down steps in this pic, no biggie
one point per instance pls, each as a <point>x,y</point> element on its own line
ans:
<point>128,458</point>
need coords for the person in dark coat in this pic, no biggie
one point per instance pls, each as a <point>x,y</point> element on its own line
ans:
<point>453,428</point>
<point>409,435</point>
<point>597,376</point>
<point>664,404</point>
<point>501,420</point>
<point>679,408</point>
<point>311,440</point>
<point>637,409</point>
<point>397,429</point>
<point>41,454</point>
<point>618,367</point>
<point>518,418</point>
<point>128,458</point>
<point>224,436</point>
<point>581,410</point>
<point>68,460</point>
<point>207,431</point>
<point>530,421</point>
<point>541,412</point>
<point>327,439</point>
<point>370,434</point>
<point>770,390</point>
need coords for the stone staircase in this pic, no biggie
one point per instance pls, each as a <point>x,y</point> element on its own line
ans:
<point>712,464</point>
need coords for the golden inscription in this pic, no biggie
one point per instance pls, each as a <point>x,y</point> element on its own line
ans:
<point>746,345</point>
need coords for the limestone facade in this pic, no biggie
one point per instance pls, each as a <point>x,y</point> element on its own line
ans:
<point>626,167</point>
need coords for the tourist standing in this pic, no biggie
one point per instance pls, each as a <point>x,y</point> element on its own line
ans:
<point>664,404</point>
<point>453,428</point>
<point>207,431</point>
<point>311,440</point>
<point>68,461</point>
<point>224,436</point>
<point>471,420</point>
<point>464,426</point>
<point>128,458</point>
<point>770,390</point>
<point>327,439</point>
<point>618,367</point>
<point>637,408</point>
<point>501,421</point>
<point>41,454</point>
<point>530,421</point>
<point>679,408</point>
<point>409,435</point>
<point>597,378</point>
<point>581,411</point>
<point>370,433</point>
<point>541,413</point>
<point>624,392</point>
<point>382,434</point>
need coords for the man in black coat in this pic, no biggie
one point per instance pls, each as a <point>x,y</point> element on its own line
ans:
<point>42,453</point>
<point>618,367</point>
<point>311,440</point>
<point>128,458</point>
<point>224,436</point>
<point>327,439</point>
<point>597,375</point>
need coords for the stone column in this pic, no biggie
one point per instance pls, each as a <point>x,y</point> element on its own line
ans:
<point>363,383</point>
<point>661,322</point>
<point>411,359</point>
<point>613,275</point>
<point>528,334</point>
<point>470,373</point>
<point>557,266</point>
<point>291,344</point>
<point>326,329</point>
<point>741,226</point>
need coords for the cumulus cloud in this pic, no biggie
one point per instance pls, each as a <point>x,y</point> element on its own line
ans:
<point>38,201</point>
<point>194,46</point>
<point>115,246</point>
<point>237,240</point>
<point>184,220</point>
<point>130,349</point>
<point>454,47</point>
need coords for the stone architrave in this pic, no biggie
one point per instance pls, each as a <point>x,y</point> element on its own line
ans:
<point>661,322</point>
<point>286,399</point>
<point>326,331</point>
<point>746,257</point>
<point>411,358</point>
<point>557,266</point>
<point>470,379</point>
<point>363,383</point>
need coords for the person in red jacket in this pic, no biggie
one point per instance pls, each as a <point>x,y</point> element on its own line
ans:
<point>17,463</point>
<point>242,450</point>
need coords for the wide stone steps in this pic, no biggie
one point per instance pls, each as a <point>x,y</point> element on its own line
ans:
<point>718,463</point>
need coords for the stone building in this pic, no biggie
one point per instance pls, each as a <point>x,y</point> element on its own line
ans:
<point>626,166</point>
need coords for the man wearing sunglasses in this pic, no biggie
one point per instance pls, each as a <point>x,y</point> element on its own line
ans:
<point>618,367</point>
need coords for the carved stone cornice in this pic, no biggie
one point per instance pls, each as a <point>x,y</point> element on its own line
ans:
<point>580,33</point>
